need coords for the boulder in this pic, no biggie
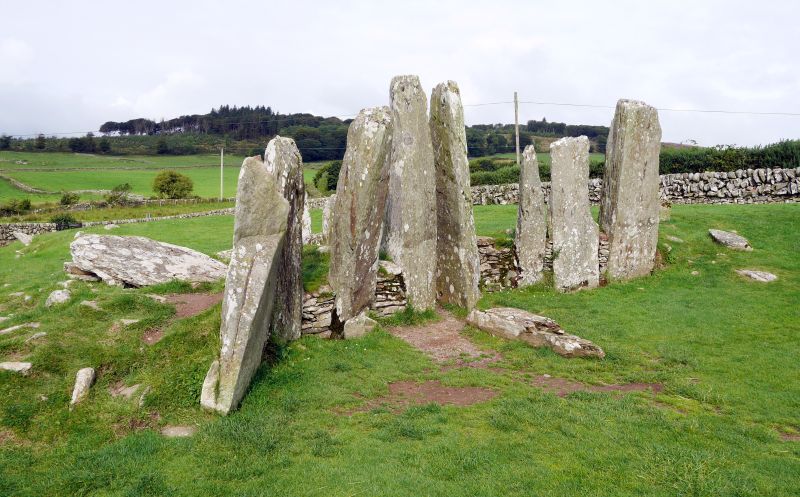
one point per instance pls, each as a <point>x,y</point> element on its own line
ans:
<point>730,240</point>
<point>531,236</point>
<point>83,382</point>
<point>539,331</point>
<point>410,232</point>
<point>357,219</point>
<point>282,159</point>
<point>22,368</point>
<point>630,203</point>
<point>57,297</point>
<point>259,233</point>
<point>761,276</point>
<point>24,238</point>
<point>138,261</point>
<point>457,260</point>
<point>574,232</point>
<point>358,326</point>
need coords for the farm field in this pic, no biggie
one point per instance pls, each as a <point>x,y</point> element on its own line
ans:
<point>724,349</point>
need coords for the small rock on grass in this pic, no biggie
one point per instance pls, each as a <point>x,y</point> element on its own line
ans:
<point>16,367</point>
<point>674,239</point>
<point>91,304</point>
<point>36,336</point>
<point>24,238</point>
<point>83,382</point>
<point>19,327</point>
<point>57,297</point>
<point>358,326</point>
<point>178,431</point>
<point>730,240</point>
<point>762,276</point>
<point>128,322</point>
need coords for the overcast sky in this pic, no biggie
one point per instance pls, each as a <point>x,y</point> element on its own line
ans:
<point>70,66</point>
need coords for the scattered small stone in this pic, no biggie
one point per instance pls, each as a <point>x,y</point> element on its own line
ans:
<point>158,298</point>
<point>178,431</point>
<point>16,294</point>
<point>19,327</point>
<point>57,297</point>
<point>36,336</point>
<point>110,226</point>
<point>4,318</point>
<point>358,326</point>
<point>674,239</point>
<point>24,238</point>
<point>91,304</point>
<point>66,284</point>
<point>128,322</point>
<point>143,396</point>
<point>695,273</point>
<point>16,367</point>
<point>83,382</point>
<point>120,390</point>
<point>762,276</point>
<point>730,239</point>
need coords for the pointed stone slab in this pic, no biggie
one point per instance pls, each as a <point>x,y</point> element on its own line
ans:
<point>731,240</point>
<point>282,159</point>
<point>531,236</point>
<point>458,262</point>
<point>575,234</point>
<point>357,219</point>
<point>258,236</point>
<point>411,210</point>
<point>629,204</point>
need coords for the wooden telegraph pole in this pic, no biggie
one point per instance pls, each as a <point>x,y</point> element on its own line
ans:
<point>516,123</point>
<point>221,168</point>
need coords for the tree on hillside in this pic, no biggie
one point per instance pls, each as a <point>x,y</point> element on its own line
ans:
<point>170,184</point>
<point>5,142</point>
<point>40,142</point>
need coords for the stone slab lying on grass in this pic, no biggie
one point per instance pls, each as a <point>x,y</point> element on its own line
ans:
<point>730,240</point>
<point>178,431</point>
<point>36,336</point>
<point>16,367</point>
<point>18,327</point>
<point>91,304</point>
<point>83,382</point>
<point>761,276</point>
<point>539,331</point>
<point>138,261</point>
<point>24,238</point>
<point>57,297</point>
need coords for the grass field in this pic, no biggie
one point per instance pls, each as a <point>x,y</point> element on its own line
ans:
<point>725,349</point>
<point>543,157</point>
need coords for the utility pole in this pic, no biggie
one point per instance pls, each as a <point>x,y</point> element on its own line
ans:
<point>516,123</point>
<point>221,168</point>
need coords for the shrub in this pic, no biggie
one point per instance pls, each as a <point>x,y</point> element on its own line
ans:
<point>69,198</point>
<point>170,184</point>
<point>65,221</point>
<point>333,174</point>
<point>15,207</point>
<point>118,194</point>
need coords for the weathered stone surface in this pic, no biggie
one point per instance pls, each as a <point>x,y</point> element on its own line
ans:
<point>410,234</point>
<point>24,238</point>
<point>531,236</point>
<point>91,304</point>
<point>730,240</point>
<point>138,261</point>
<point>457,263</point>
<point>36,336</point>
<point>282,159</point>
<point>306,230</point>
<point>357,219</point>
<point>574,232</point>
<point>358,326</point>
<point>12,329</point>
<point>83,382</point>
<point>327,210</point>
<point>539,331</point>
<point>57,297</point>
<point>258,236</point>
<point>762,276</point>
<point>178,431</point>
<point>22,368</point>
<point>629,206</point>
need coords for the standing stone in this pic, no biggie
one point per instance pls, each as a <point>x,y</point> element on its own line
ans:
<point>84,380</point>
<point>411,206</point>
<point>306,230</point>
<point>326,217</point>
<point>259,233</point>
<point>282,159</point>
<point>458,263</point>
<point>574,232</point>
<point>531,237</point>
<point>629,205</point>
<point>357,220</point>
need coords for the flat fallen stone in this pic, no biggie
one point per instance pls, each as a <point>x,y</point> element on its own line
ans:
<point>57,297</point>
<point>111,226</point>
<point>138,261</point>
<point>128,322</point>
<point>120,390</point>
<point>674,239</point>
<point>91,304</point>
<point>36,336</point>
<point>730,240</point>
<point>18,327</point>
<point>158,298</point>
<point>761,276</point>
<point>24,238</point>
<point>84,380</point>
<point>539,331</point>
<point>178,431</point>
<point>16,367</point>
<point>358,326</point>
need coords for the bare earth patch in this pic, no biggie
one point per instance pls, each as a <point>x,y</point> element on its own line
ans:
<point>789,437</point>
<point>403,394</point>
<point>152,336</point>
<point>192,304</point>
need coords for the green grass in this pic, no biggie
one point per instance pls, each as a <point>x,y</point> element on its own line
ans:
<point>726,350</point>
<point>542,157</point>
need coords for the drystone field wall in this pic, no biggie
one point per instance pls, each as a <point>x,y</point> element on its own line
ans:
<point>7,230</point>
<point>745,186</point>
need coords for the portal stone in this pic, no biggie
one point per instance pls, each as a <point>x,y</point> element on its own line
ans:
<point>629,205</point>
<point>258,236</point>
<point>531,237</point>
<point>282,159</point>
<point>358,212</point>
<point>458,263</point>
<point>411,206</point>
<point>574,232</point>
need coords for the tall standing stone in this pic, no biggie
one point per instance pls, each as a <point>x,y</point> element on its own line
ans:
<point>411,210</point>
<point>531,237</point>
<point>575,234</point>
<point>629,206</point>
<point>283,160</point>
<point>458,262</point>
<point>306,223</point>
<point>327,209</point>
<point>259,234</point>
<point>358,212</point>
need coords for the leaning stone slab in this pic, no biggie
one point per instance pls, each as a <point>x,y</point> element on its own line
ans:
<point>138,261</point>
<point>22,368</point>
<point>282,159</point>
<point>539,331</point>
<point>24,238</point>
<point>574,232</point>
<point>457,260</point>
<point>83,382</point>
<point>410,237</point>
<point>531,236</point>
<point>357,219</point>
<point>630,204</point>
<point>730,240</point>
<point>57,297</point>
<point>259,233</point>
<point>762,276</point>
